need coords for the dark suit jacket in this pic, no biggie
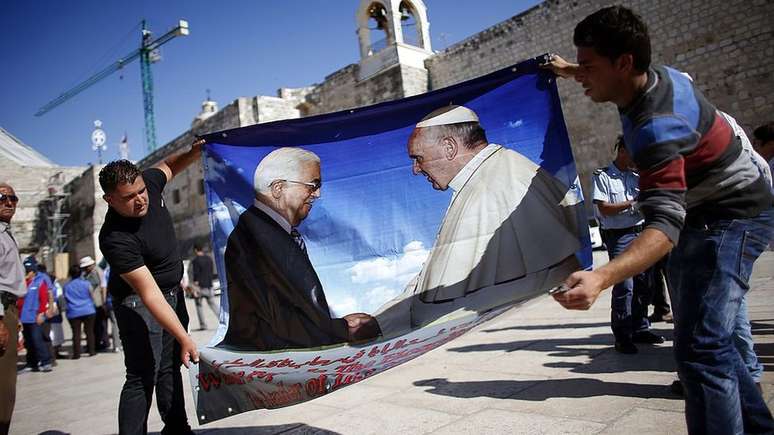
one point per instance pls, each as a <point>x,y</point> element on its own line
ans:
<point>276,300</point>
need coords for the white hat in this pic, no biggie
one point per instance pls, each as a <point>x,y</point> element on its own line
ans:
<point>446,115</point>
<point>87,261</point>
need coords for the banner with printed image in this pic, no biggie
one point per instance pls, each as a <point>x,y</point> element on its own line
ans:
<point>421,232</point>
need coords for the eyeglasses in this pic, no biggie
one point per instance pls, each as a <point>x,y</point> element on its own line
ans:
<point>314,185</point>
<point>13,198</point>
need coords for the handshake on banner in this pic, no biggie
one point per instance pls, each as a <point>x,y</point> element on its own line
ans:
<point>362,327</point>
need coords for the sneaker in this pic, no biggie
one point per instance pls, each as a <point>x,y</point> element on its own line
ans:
<point>647,337</point>
<point>27,369</point>
<point>625,347</point>
<point>46,368</point>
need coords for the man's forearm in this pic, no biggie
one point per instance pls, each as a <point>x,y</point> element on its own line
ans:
<point>143,283</point>
<point>178,162</point>
<point>164,314</point>
<point>613,208</point>
<point>649,247</point>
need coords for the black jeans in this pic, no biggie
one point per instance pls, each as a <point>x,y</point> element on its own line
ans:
<point>100,328</point>
<point>87,322</point>
<point>152,359</point>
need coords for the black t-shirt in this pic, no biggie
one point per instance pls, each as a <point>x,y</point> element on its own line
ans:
<point>130,243</point>
<point>202,270</point>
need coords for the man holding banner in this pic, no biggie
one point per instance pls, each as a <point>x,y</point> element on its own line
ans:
<point>504,208</point>
<point>703,199</point>
<point>138,241</point>
<point>276,299</point>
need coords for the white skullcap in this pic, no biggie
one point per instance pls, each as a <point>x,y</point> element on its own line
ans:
<point>446,115</point>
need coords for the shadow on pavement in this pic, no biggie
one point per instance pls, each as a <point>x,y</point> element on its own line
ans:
<point>765,352</point>
<point>652,358</point>
<point>542,390</point>
<point>551,346</point>
<point>296,428</point>
<point>760,328</point>
<point>552,327</point>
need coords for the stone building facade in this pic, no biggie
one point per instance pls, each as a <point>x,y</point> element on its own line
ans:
<point>87,213</point>
<point>727,46</point>
<point>40,186</point>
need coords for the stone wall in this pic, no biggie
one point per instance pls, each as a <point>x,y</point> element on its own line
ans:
<point>344,90</point>
<point>31,186</point>
<point>726,46</point>
<point>87,213</point>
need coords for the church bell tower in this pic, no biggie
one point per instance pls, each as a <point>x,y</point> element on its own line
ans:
<point>390,33</point>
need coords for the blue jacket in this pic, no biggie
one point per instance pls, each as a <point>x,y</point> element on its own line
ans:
<point>77,293</point>
<point>32,300</point>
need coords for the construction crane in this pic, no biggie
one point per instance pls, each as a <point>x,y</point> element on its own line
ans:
<point>148,53</point>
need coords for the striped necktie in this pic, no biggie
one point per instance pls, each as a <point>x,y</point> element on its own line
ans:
<point>298,239</point>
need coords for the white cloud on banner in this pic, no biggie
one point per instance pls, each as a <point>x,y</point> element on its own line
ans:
<point>343,307</point>
<point>383,269</point>
<point>386,277</point>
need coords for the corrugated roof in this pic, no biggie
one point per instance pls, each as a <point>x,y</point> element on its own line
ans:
<point>20,153</point>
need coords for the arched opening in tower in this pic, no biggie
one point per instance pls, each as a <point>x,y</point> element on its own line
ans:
<point>378,27</point>
<point>408,25</point>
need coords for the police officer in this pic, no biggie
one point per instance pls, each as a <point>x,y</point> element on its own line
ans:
<point>615,196</point>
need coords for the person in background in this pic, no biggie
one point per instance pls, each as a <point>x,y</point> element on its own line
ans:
<point>201,284</point>
<point>53,331</point>
<point>115,334</point>
<point>33,316</point>
<point>80,311</point>
<point>98,293</point>
<point>616,188</point>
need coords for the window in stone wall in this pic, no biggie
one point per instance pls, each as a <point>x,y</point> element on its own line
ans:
<point>201,187</point>
<point>408,25</point>
<point>176,196</point>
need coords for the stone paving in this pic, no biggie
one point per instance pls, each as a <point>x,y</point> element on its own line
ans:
<point>535,369</point>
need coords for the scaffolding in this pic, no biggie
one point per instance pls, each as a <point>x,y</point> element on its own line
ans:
<point>54,209</point>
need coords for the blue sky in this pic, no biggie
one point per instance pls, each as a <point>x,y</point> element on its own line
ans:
<point>236,48</point>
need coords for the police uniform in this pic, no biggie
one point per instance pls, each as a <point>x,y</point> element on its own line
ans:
<point>629,306</point>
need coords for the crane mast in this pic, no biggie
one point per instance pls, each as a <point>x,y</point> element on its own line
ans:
<point>148,54</point>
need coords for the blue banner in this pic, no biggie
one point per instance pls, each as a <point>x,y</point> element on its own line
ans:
<point>338,234</point>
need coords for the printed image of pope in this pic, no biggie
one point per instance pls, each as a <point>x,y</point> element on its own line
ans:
<point>510,231</point>
<point>276,300</point>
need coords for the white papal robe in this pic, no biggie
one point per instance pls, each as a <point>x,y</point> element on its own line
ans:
<point>509,233</point>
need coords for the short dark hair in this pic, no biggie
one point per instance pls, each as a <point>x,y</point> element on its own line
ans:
<point>765,132</point>
<point>613,31</point>
<point>198,247</point>
<point>117,172</point>
<point>470,133</point>
<point>75,271</point>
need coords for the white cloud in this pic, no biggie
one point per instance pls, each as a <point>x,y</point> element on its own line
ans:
<point>515,124</point>
<point>383,269</point>
<point>381,293</point>
<point>343,307</point>
<point>385,278</point>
